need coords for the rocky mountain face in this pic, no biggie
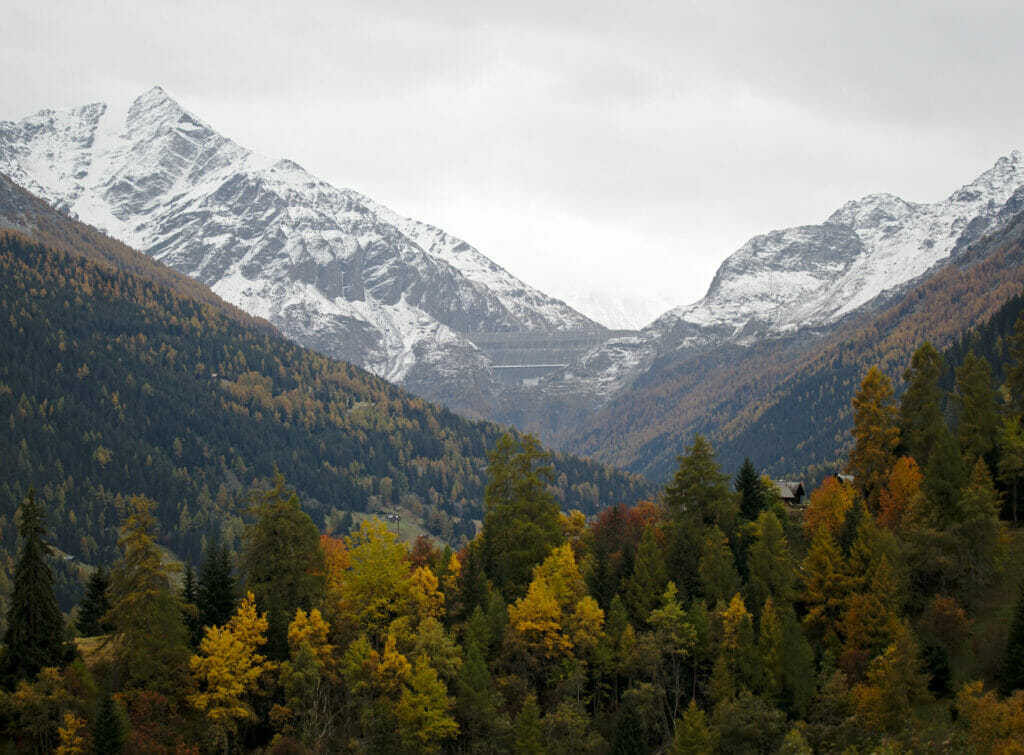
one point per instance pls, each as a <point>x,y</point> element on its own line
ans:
<point>331,268</point>
<point>770,305</point>
<point>339,272</point>
<point>806,280</point>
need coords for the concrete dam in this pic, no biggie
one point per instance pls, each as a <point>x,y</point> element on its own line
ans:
<point>524,358</point>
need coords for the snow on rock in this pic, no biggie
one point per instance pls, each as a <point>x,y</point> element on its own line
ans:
<point>331,268</point>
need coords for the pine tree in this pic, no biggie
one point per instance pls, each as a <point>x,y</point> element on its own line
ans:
<point>875,434</point>
<point>35,626</point>
<point>945,477</point>
<point>921,420</point>
<point>693,734</point>
<point>95,604</point>
<point>649,577</point>
<point>630,736</point>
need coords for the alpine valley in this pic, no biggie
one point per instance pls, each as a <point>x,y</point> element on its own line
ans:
<point>344,275</point>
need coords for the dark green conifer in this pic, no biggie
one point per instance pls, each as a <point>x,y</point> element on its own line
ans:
<point>215,593</point>
<point>753,497</point>
<point>109,730</point>
<point>699,489</point>
<point>978,411</point>
<point>1011,675</point>
<point>35,626</point>
<point>630,737</point>
<point>95,604</point>
<point>921,421</point>
<point>283,562</point>
<point>521,525</point>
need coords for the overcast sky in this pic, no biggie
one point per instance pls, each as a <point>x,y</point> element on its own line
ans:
<point>622,149</point>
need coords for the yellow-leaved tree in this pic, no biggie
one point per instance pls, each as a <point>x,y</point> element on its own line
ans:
<point>227,670</point>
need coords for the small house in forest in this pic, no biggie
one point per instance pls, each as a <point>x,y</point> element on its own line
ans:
<point>791,493</point>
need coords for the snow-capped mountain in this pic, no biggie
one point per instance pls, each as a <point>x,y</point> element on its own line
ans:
<point>807,279</point>
<point>331,268</point>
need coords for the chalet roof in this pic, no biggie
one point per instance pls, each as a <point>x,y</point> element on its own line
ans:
<point>789,491</point>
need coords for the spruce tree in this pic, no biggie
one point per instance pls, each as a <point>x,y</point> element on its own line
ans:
<point>95,604</point>
<point>109,730</point>
<point>1014,369</point>
<point>754,497</point>
<point>215,593</point>
<point>35,626</point>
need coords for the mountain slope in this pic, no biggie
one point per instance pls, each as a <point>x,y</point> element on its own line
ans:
<point>636,400</point>
<point>785,402</point>
<point>329,267</point>
<point>113,384</point>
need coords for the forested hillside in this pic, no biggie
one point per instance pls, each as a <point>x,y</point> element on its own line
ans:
<point>878,618</point>
<point>112,385</point>
<point>787,406</point>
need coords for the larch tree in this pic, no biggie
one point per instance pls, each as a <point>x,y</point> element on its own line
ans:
<point>35,626</point>
<point>151,640</point>
<point>875,433</point>
<point>228,669</point>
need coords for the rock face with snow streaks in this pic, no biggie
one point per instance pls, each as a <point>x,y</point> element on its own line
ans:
<point>331,268</point>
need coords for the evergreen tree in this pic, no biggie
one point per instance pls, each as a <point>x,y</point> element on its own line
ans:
<point>1011,458</point>
<point>189,611</point>
<point>770,563</point>
<point>649,577</point>
<point>875,435</point>
<point>700,491</point>
<point>921,420</point>
<point>945,476</point>
<point>109,730</point>
<point>1011,675</point>
<point>1014,369</point>
<point>630,736</point>
<point>283,562</point>
<point>522,523</point>
<point>754,496</point>
<point>528,737</point>
<point>95,604</point>
<point>215,593</point>
<point>977,410</point>
<point>35,626</point>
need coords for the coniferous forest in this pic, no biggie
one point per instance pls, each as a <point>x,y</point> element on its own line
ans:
<point>194,565</point>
